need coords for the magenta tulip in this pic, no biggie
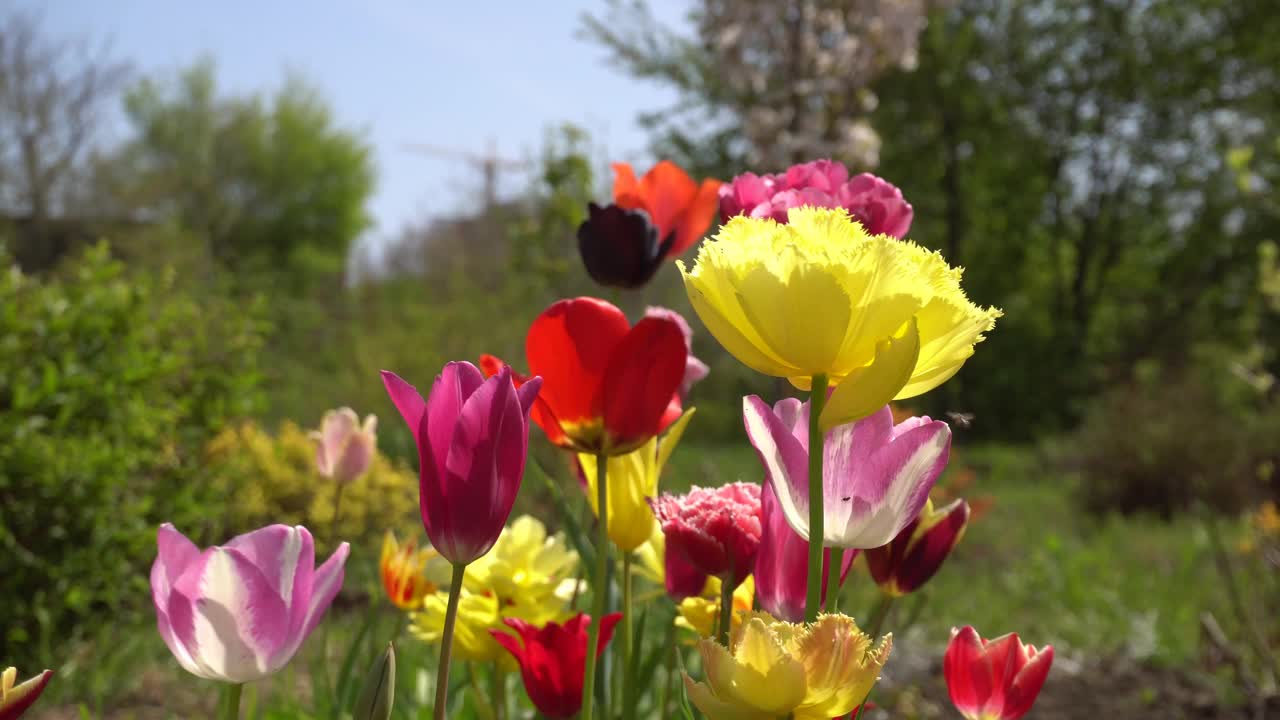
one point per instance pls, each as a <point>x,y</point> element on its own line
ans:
<point>239,612</point>
<point>876,476</point>
<point>473,439</point>
<point>782,565</point>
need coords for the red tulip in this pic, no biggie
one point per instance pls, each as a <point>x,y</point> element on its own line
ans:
<point>553,658</point>
<point>911,558</point>
<point>716,529</point>
<point>994,679</point>
<point>607,386</point>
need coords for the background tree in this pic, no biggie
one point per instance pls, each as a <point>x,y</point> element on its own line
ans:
<point>53,94</point>
<point>775,83</point>
<point>271,185</point>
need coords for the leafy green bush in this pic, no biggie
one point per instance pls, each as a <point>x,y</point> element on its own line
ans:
<point>1171,440</point>
<point>273,479</point>
<point>110,386</point>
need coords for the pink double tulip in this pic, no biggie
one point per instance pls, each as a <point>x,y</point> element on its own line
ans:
<point>874,202</point>
<point>716,529</point>
<point>239,612</point>
<point>473,439</point>
<point>876,476</point>
<point>994,679</point>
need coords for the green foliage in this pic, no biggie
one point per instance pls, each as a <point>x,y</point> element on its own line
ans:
<point>110,385</point>
<point>273,480</point>
<point>1173,440</point>
<point>269,185</point>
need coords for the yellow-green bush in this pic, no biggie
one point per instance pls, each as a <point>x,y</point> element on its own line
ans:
<point>273,479</point>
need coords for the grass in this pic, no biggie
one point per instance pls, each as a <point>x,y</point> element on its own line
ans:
<point>1029,563</point>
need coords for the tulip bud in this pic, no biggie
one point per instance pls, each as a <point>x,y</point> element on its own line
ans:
<point>379,691</point>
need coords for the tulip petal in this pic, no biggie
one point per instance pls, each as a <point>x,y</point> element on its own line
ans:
<point>714,708</point>
<point>878,494</point>
<point>1026,685</point>
<point>325,584</point>
<point>968,681</point>
<point>785,460</point>
<point>453,387</point>
<point>797,309</point>
<point>18,699</point>
<point>286,558</point>
<point>696,218</point>
<point>869,388</point>
<point>668,442</point>
<point>621,247</point>
<point>406,398</point>
<point>175,554</point>
<point>953,326</point>
<point>570,345</point>
<point>640,382</point>
<point>228,618</point>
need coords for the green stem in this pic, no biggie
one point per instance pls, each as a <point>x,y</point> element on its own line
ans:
<point>726,610</point>
<point>446,642</point>
<point>337,513</point>
<point>665,697</point>
<point>499,692</point>
<point>231,701</point>
<point>601,580</point>
<point>833,580</point>
<point>879,615</point>
<point>628,641</point>
<point>817,399</point>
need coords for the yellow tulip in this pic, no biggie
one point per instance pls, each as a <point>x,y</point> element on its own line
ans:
<point>773,669</point>
<point>633,479</point>
<point>403,569</point>
<point>882,318</point>
<point>700,614</point>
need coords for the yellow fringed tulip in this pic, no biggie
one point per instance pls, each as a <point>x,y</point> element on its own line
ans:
<point>700,614</point>
<point>633,478</point>
<point>774,669</point>
<point>882,318</point>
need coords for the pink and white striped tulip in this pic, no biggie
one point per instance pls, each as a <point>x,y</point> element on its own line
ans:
<point>876,476</point>
<point>238,612</point>
<point>782,565</point>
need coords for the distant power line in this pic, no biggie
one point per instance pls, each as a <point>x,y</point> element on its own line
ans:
<point>488,162</point>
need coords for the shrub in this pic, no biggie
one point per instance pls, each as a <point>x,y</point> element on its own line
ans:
<point>273,479</point>
<point>1171,440</point>
<point>110,386</point>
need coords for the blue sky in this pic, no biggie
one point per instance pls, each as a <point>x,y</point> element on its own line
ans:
<point>454,74</point>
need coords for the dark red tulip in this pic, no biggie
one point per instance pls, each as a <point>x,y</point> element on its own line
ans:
<point>911,558</point>
<point>651,220</point>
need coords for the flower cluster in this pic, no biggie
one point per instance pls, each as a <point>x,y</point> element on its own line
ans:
<point>811,279</point>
